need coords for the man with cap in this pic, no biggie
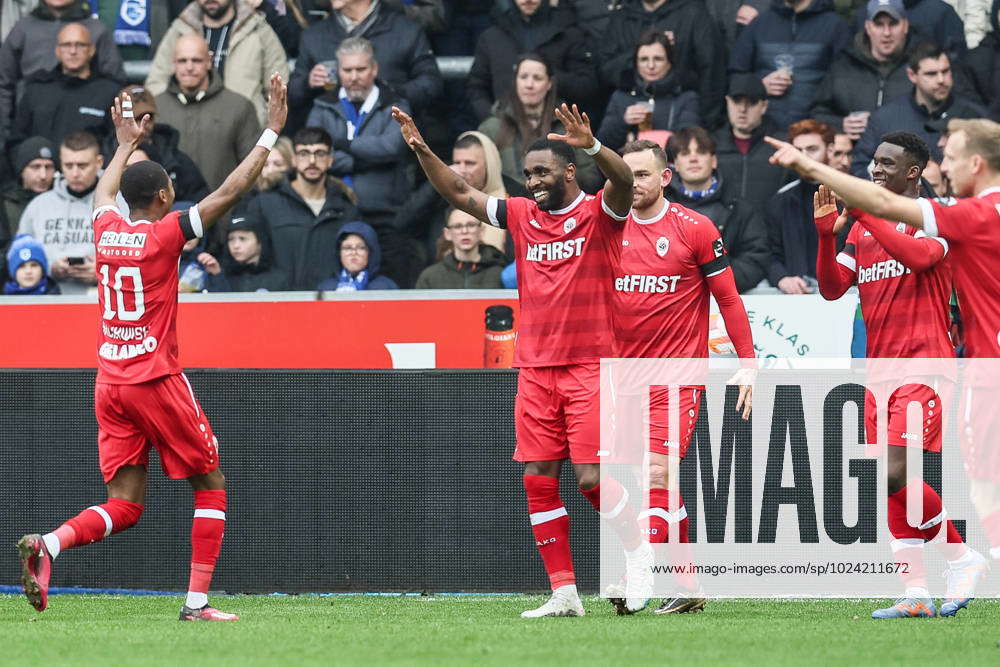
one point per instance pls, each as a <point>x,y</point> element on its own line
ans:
<point>71,96</point>
<point>869,72</point>
<point>936,20</point>
<point>740,148</point>
<point>35,166</point>
<point>161,145</point>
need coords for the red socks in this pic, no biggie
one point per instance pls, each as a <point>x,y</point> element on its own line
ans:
<point>661,516</point>
<point>206,537</point>
<point>621,514</point>
<point>550,525</point>
<point>95,523</point>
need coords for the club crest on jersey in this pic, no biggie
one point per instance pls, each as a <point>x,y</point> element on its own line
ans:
<point>569,225</point>
<point>901,227</point>
<point>662,246</point>
<point>534,223</point>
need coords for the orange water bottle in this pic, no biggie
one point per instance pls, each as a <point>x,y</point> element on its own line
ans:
<point>498,348</point>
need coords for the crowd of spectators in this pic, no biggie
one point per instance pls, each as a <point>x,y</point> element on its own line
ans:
<point>341,204</point>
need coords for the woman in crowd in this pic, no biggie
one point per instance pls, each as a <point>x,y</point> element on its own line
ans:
<point>359,261</point>
<point>654,100</point>
<point>526,115</point>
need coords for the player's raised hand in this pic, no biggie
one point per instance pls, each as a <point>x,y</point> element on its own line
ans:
<point>785,154</point>
<point>127,130</point>
<point>277,104</point>
<point>828,219</point>
<point>577,125</point>
<point>411,135</point>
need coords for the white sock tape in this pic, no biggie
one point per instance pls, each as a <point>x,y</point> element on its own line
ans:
<point>267,139</point>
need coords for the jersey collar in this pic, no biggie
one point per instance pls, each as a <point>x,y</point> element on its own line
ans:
<point>988,191</point>
<point>655,218</point>
<point>576,202</point>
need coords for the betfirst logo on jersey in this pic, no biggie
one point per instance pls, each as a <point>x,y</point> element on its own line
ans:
<point>121,244</point>
<point>556,250</point>
<point>647,284</point>
<point>889,268</point>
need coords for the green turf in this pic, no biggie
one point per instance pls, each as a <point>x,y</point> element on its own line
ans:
<point>483,630</point>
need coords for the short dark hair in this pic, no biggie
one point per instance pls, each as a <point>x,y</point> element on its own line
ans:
<point>467,141</point>
<point>308,136</point>
<point>641,145</point>
<point>654,36</point>
<point>913,146</point>
<point>680,140</point>
<point>141,182</point>
<point>560,149</point>
<point>923,51</point>
<point>80,140</point>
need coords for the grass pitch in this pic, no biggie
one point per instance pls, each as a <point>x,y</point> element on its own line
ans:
<point>306,630</point>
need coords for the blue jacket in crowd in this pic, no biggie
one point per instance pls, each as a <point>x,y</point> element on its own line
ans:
<point>372,280</point>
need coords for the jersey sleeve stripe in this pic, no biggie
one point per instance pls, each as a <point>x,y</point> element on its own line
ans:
<point>930,220</point>
<point>846,260</point>
<point>612,214</point>
<point>715,273</point>
<point>943,242</point>
<point>98,212</point>
<point>196,226</point>
<point>715,266</point>
<point>496,212</point>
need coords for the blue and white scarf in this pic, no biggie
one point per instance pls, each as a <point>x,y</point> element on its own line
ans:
<point>132,26</point>
<point>348,283</point>
<point>701,194</point>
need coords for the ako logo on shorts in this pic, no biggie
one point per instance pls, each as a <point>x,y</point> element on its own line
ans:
<point>662,246</point>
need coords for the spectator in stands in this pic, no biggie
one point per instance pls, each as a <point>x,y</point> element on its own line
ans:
<point>740,148</point>
<point>305,211</point>
<point>592,16</point>
<point>430,14</point>
<point>217,126</point>
<point>405,56</point>
<point>60,219</point>
<point>244,49</point>
<point>935,20</point>
<point>527,115</point>
<point>699,49</point>
<point>12,11</point>
<point>789,214</point>
<point>789,48</point>
<point>162,145</point>
<point>28,268</point>
<point>141,28</point>
<point>731,16</point>
<point>279,163</point>
<point>247,263</point>
<point>654,100</point>
<point>531,26</point>
<point>358,261</point>
<point>840,158</point>
<point>476,159</point>
<point>68,97</point>
<point>975,16</point>
<point>31,46</point>
<point>869,72</point>
<point>35,167</point>
<point>920,111</point>
<point>984,65</point>
<point>284,21</point>
<point>468,263</point>
<point>369,153</point>
<point>697,185</point>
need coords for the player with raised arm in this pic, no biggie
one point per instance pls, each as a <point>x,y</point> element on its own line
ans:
<point>904,286</point>
<point>668,260</point>
<point>141,396</point>
<point>562,240</point>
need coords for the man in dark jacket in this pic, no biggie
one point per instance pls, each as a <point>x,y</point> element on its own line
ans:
<point>304,212</point>
<point>869,73</point>
<point>984,65</point>
<point>789,48</point>
<point>69,97</point>
<point>31,46</point>
<point>740,148</point>
<point>531,26</point>
<point>369,152</point>
<point>470,263</point>
<point>935,19</point>
<point>405,56</point>
<point>698,47</point>
<point>696,185</point>
<point>922,112</point>
<point>35,166</point>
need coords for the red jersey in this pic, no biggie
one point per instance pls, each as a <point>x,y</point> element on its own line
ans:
<point>137,294</point>
<point>563,269</point>
<point>906,314</point>
<point>660,288</point>
<point>972,228</point>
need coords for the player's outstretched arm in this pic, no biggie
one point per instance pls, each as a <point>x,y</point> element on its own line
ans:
<point>855,192</point>
<point>916,254</point>
<point>723,288</point>
<point>450,185</point>
<point>239,182</point>
<point>129,134</point>
<point>618,189</point>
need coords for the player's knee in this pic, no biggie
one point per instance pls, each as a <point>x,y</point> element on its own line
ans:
<point>657,476</point>
<point>896,470</point>
<point>588,479</point>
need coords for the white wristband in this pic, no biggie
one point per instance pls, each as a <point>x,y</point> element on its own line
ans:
<point>595,149</point>
<point>267,139</point>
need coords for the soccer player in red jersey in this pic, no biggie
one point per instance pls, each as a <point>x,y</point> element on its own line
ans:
<point>141,396</point>
<point>562,240</point>
<point>899,269</point>
<point>668,261</point>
